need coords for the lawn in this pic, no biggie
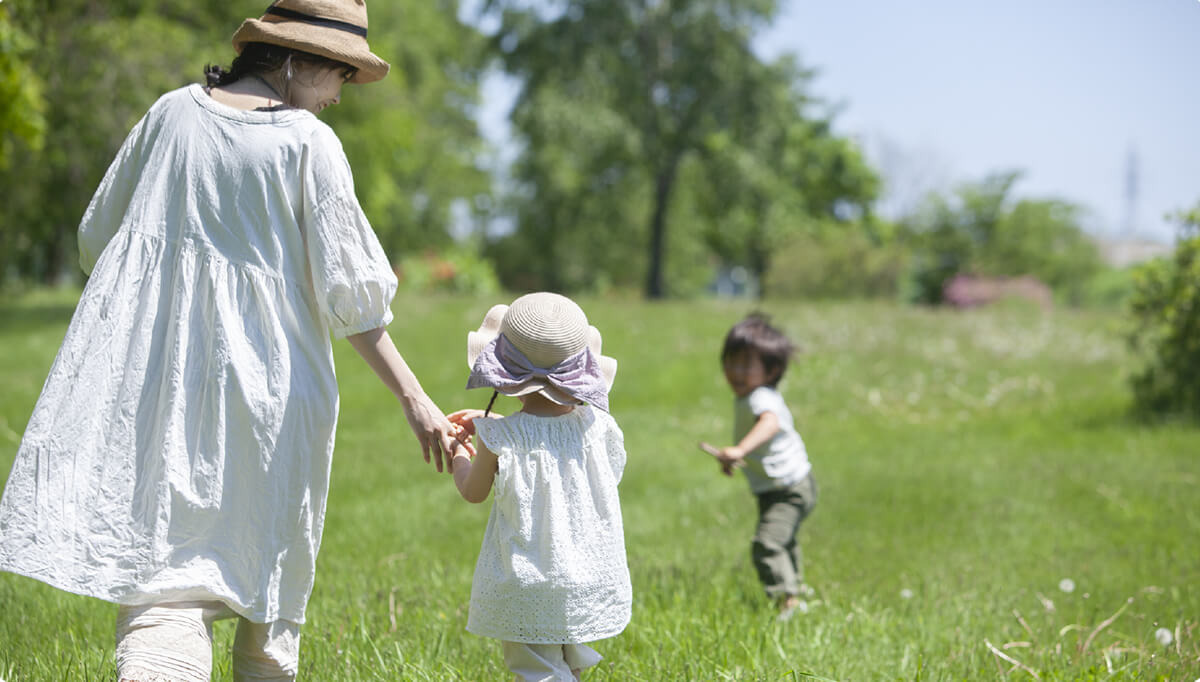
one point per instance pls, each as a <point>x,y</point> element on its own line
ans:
<point>987,508</point>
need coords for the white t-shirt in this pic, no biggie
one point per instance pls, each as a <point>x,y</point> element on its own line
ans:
<point>181,446</point>
<point>552,567</point>
<point>781,461</point>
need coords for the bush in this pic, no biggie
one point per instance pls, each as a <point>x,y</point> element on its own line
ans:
<point>1109,288</point>
<point>455,271</point>
<point>1166,335</point>
<point>843,265</point>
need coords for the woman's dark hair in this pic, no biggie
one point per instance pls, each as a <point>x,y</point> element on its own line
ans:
<point>257,58</point>
<point>755,333</point>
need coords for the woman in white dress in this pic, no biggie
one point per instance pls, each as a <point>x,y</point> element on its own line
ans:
<point>177,461</point>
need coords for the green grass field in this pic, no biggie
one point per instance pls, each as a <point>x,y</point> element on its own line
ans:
<point>968,463</point>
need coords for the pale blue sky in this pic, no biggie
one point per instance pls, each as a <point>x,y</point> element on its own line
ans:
<point>940,92</point>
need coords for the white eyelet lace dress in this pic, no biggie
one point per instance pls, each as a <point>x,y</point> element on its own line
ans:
<point>552,567</point>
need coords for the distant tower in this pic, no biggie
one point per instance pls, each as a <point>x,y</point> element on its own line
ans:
<point>1130,227</point>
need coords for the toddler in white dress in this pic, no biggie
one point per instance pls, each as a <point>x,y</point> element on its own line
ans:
<point>551,573</point>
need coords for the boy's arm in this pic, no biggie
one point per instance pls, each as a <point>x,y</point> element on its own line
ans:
<point>764,429</point>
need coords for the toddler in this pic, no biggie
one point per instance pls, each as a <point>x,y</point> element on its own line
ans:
<point>770,453</point>
<point>551,573</point>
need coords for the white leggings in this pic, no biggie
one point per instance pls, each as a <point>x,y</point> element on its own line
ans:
<point>173,643</point>
<point>548,662</point>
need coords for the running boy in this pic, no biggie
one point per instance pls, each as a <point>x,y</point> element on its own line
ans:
<point>770,452</point>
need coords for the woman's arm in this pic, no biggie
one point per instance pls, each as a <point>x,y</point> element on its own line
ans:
<point>438,437</point>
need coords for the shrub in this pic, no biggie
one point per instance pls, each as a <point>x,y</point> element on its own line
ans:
<point>1165,306</point>
<point>454,271</point>
<point>842,265</point>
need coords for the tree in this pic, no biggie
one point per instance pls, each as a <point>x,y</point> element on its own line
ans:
<point>22,107</point>
<point>982,230</point>
<point>410,138</point>
<point>775,171</point>
<point>620,100</point>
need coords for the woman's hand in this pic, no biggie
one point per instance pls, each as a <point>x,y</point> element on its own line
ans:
<point>439,437</point>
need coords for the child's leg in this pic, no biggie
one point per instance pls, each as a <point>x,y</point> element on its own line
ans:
<point>548,662</point>
<point>166,642</point>
<point>805,498</point>
<point>266,651</point>
<point>776,553</point>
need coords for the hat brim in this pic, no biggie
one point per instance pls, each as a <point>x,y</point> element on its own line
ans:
<point>489,329</point>
<point>330,43</point>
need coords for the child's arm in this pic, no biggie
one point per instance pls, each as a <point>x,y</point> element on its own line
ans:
<point>474,477</point>
<point>435,433</point>
<point>764,429</point>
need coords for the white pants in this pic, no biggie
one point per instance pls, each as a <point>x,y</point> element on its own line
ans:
<point>173,643</point>
<point>548,662</point>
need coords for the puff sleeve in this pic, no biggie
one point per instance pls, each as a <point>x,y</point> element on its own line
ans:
<point>106,211</point>
<point>352,278</point>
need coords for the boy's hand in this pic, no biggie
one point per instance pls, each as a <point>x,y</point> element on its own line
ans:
<point>730,458</point>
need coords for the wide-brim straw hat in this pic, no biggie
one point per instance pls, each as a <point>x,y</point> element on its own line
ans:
<point>547,328</point>
<point>335,29</point>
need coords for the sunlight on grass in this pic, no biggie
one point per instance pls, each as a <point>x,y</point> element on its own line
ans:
<point>987,508</point>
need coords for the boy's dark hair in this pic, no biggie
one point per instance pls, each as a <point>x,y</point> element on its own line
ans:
<point>755,333</point>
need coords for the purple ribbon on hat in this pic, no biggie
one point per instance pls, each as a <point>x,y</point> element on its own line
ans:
<point>500,365</point>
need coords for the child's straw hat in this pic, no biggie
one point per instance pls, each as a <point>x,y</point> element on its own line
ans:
<point>542,343</point>
<point>335,29</point>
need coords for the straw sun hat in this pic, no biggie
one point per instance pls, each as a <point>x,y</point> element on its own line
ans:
<point>336,29</point>
<point>541,343</point>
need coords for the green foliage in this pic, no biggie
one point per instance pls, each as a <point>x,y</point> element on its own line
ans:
<point>1109,288</point>
<point>456,271</point>
<point>653,132</point>
<point>980,230</point>
<point>967,464</point>
<point>1166,327</point>
<point>22,106</point>
<point>410,138</point>
<point>842,264</point>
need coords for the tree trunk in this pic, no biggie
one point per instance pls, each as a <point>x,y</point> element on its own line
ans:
<point>664,183</point>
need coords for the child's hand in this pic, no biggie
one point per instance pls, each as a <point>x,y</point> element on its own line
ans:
<point>465,419</point>
<point>730,458</point>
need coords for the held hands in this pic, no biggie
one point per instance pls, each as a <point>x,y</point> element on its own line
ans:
<point>464,422</point>
<point>731,457</point>
<point>439,437</point>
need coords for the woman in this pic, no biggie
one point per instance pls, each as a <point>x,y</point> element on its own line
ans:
<point>177,461</point>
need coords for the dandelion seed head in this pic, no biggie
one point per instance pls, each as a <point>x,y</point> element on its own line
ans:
<point>1066,585</point>
<point>906,593</point>
<point>1163,636</point>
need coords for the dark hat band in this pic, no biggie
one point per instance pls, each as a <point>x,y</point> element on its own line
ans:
<point>317,21</point>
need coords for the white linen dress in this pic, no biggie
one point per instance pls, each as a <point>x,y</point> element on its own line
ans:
<point>181,446</point>
<point>552,566</point>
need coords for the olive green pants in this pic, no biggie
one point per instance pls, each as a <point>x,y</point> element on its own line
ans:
<point>775,552</point>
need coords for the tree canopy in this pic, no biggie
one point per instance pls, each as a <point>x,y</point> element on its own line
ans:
<point>84,72</point>
<point>621,99</point>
